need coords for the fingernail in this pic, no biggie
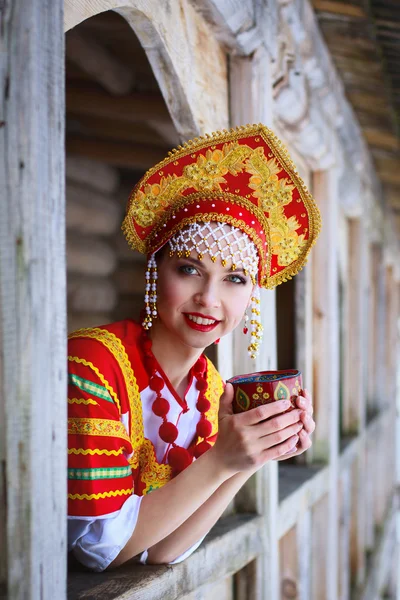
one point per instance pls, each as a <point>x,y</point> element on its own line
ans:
<point>301,402</point>
<point>296,439</point>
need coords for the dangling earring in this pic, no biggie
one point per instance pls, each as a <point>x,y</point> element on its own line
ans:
<point>245,319</point>
<point>217,341</point>
<point>256,327</point>
<point>150,298</point>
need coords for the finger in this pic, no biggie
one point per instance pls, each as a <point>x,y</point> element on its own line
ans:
<point>309,423</point>
<point>281,449</point>
<point>308,399</point>
<point>304,441</point>
<point>265,411</point>
<point>225,402</point>
<point>279,422</point>
<point>278,437</point>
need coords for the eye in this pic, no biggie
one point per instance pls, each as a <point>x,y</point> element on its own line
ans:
<point>237,279</point>
<point>187,269</point>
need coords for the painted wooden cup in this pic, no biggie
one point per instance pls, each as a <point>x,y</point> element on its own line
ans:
<point>254,389</point>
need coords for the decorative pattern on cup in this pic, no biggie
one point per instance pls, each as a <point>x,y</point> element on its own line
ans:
<point>264,387</point>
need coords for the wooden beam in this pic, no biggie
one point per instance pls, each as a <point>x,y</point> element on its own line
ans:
<point>388,169</point>
<point>119,130</point>
<point>232,543</point>
<point>374,103</point>
<point>119,154</point>
<point>392,194</point>
<point>381,139</point>
<point>91,212</point>
<point>340,8</point>
<point>93,58</point>
<point>90,256</point>
<point>33,412</point>
<point>93,174</point>
<point>91,294</point>
<point>137,107</point>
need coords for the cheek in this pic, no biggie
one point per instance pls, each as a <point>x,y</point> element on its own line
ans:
<point>236,304</point>
<point>170,293</point>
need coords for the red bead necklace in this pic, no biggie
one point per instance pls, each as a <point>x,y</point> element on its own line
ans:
<point>178,457</point>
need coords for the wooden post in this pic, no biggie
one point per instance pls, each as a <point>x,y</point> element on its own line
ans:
<point>32,301</point>
<point>251,102</point>
<point>355,389</point>
<point>326,361</point>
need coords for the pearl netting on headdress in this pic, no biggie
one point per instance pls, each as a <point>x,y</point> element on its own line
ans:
<point>217,240</point>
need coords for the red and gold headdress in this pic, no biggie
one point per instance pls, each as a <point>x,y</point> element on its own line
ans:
<point>243,177</point>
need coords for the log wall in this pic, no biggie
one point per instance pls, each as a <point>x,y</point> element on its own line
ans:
<point>320,528</point>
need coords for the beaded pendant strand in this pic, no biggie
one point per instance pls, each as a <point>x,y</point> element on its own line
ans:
<point>178,457</point>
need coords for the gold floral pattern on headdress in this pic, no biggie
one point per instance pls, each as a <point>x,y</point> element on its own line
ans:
<point>207,173</point>
<point>244,177</point>
<point>286,243</point>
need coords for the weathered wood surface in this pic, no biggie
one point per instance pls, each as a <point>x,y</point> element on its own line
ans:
<point>90,173</point>
<point>289,575</point>
<point>32,301</point>
<point>92,212</point>
<point>97,61</point>
<point>251,101</point>
<point>119,154</point>
<point>232,543</point>
<point>354,405</point>
<point>91,294</point>
<point>300,487</point>
<point>319,561</point>
<point>90,255</point>
<point>189,63</point>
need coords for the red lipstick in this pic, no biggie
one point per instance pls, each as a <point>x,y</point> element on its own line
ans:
<point>199,327</point>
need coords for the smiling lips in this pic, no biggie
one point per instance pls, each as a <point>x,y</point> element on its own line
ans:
<point>200,322</point>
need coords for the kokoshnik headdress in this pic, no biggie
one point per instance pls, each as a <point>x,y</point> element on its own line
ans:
<point>243,178</point>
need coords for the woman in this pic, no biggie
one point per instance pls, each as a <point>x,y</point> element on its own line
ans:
<point>219,218</point>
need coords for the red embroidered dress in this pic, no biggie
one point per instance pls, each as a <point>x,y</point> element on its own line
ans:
<point>110,459</point>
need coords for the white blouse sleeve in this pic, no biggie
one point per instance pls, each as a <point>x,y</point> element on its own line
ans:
<point>96,541</point>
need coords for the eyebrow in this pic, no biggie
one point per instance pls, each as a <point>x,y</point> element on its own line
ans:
<point>199,263</point>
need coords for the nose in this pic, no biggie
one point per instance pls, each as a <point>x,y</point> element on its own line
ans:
<point>208,296</point>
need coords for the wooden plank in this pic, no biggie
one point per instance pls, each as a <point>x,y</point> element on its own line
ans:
<point>382,557</point>
<point>99,176</point>
<point>304,528</point>
<point>251,101</point>
<point>388,169</point>
<point>300,487</point>
<point>353,419</point>
<point>319,549</point>
<point>91,212</point>
<point>93,58</point>
<point>90,256</point>
<point>344,535</point>
<point>32,301</point>
<point>326,360</point>
<point>122,130</point>
<point>340,8</point>
<point>373,332</point>
<point>120,154</point>
<point>382,139</point>
<point>358,518</point>
<point>232,543</point>
<point>135,107</point>
<point>288,552</point>
<point>91,294</point>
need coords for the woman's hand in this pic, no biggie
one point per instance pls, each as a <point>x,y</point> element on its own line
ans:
<point>248,440</point>
<point>304,402</point>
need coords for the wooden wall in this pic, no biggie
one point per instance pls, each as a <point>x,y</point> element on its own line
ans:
<point>323,527</point>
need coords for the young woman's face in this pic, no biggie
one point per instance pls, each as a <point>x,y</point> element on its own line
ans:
<point>199,301</point>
